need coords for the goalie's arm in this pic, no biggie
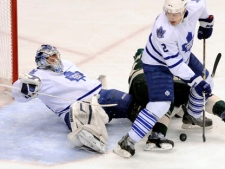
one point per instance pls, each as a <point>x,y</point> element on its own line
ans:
<point>29,85</point>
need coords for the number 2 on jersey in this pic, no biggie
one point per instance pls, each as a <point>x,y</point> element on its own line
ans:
<point>164,48</point>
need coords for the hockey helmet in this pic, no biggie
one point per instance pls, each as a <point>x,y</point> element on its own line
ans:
<point>175,6</point>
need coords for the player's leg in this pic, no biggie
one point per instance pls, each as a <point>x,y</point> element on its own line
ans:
<point>160,97</point>
<point>87,122</point>
<point>181,92</point>
<point>193,115</point>
<point>156,139</point>
<point>216,106</point>
<point>139,90</point>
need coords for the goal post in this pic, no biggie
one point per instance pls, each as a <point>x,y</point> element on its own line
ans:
<point>14,32</point>
<point>8,41</point>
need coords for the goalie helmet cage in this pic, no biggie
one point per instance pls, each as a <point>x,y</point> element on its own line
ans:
<point>8,42</point>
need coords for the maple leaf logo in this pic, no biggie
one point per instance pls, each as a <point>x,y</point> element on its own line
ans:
<point>160,32</point>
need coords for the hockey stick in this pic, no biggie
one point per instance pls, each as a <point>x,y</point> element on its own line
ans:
<point>204,74</point>
<point>216,64</point>
<point>58,97</point>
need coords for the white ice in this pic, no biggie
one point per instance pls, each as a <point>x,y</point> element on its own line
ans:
<point>101,37</point>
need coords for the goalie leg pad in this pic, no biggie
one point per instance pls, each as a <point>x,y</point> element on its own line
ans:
<point>98,109</point>
<point>87,113</point>
<point>87,121</point>
<point>74,139</point>
<point>88,139</point>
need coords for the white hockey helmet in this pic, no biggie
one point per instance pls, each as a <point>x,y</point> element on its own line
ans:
<point>43,53</point>
<point>175,6</point>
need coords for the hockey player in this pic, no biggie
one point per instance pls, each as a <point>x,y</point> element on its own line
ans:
<point>73,97</point>
<point>139,90</point>
<point>167,54</point>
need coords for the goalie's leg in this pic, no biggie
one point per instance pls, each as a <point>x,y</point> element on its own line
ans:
<point>88,127</point>
<point>126,106</point>
<point>86,140</point>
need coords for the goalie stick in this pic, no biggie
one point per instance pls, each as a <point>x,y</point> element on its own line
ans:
<point>69,99</point>
<point>216,64</point>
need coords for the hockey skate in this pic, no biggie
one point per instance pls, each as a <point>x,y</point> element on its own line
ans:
<point>157,141</point>
<point>125,147</point>
<point>189,122</point>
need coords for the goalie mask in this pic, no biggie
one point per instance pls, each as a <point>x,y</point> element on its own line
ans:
<point>48,57</point>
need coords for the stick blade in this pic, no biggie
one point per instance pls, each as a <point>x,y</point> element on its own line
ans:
<point>203,138</point>
<point>216,64</point>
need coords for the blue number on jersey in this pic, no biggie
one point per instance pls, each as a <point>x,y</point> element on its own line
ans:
<point>164,48</point>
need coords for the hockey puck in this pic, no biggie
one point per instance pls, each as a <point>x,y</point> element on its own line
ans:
<point>183,137</point>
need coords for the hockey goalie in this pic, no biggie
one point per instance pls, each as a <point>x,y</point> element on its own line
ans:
<point>88,121</point>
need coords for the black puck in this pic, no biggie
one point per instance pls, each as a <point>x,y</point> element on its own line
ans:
<point>183,137</point>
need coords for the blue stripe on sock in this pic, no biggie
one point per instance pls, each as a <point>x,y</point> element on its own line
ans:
<point>145,120</point>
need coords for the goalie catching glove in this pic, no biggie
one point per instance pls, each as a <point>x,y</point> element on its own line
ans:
<point>30,85</point>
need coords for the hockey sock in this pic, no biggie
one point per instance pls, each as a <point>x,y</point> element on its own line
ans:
<point>195,104</point>
<point>142,125</point>
<point>160,128</point>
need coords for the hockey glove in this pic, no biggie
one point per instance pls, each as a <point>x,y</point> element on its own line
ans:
<point>30,85</point>
<point>203,87</point>
<point>206,27</point>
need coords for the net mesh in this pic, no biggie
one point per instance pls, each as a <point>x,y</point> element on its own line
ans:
<point>5,42</point>
<point>6,66</point>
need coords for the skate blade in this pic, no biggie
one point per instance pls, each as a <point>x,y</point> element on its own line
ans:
<point>194,127</point>
<point>152,147</point>
<point>121,152</point>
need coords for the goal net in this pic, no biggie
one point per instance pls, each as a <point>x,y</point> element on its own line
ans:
<point>8,43</point>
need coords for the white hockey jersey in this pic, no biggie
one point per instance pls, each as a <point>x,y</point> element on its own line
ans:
<point>169,45</point>
<point>71,84</point>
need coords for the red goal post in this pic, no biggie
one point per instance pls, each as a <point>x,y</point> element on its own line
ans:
<point>8,42</point>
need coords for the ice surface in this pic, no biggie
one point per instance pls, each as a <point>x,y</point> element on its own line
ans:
<point>101,37</point>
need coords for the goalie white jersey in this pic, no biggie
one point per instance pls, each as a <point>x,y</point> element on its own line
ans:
<point>169,45</point>
<point>71,84</point>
